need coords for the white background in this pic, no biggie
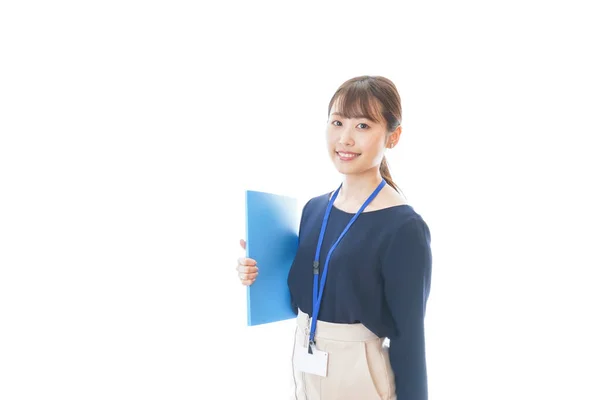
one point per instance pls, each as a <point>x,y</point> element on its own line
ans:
<point>130,130</point>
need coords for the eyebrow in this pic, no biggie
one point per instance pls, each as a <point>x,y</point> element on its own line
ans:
<point>358,117</point>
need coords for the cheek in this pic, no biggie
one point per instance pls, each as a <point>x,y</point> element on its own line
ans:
<point>373,146</point>
<point>331,138</point>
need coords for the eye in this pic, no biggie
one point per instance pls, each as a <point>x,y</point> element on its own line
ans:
<point>334,123</point>
<point>366,126</point>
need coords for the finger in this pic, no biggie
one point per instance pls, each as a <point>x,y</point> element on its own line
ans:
<point>243,244</point>
<point>246,261</point>
<point>248,282</point>
<point>247,270</point>
<point>247,276</point>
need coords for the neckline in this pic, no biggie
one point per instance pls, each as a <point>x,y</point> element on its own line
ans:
<point>372,211</point>
<point>328,197</point>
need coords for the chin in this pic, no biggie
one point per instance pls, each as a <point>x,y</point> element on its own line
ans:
<point>347,169</point>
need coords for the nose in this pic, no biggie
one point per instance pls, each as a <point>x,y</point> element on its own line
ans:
<point>345,138</point>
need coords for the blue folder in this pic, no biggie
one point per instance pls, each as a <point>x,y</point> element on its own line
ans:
<point>272,240</point>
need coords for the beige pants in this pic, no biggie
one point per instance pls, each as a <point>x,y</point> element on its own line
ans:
<point>359,364</point>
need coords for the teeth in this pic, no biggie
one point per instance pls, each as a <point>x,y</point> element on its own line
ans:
<point>346,155</point>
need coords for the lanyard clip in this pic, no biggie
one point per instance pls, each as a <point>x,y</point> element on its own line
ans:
<point>316,267</point>
<point>310,346</point>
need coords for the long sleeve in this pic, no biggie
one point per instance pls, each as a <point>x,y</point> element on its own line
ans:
<point>293,302</point>
<point>406,269</point>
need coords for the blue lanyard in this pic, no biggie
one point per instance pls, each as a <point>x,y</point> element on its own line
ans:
<point>317,297</point>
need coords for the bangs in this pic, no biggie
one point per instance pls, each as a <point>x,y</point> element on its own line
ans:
<point>357,101</point>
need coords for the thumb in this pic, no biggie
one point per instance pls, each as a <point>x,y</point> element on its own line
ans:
<point>243,244</point>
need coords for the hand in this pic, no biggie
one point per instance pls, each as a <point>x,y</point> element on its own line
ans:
<point>247,269</point>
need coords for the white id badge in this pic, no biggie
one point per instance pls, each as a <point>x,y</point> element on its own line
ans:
<point>315,363</point>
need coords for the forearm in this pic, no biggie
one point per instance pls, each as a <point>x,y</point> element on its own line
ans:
<point>407,357</point>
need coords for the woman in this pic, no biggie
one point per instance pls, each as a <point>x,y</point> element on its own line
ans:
<point>363,265</point>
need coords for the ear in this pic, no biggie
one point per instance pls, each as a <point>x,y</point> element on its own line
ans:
<point>394,137</point>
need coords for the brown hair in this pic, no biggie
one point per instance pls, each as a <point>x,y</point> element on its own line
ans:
<point>373,97</point>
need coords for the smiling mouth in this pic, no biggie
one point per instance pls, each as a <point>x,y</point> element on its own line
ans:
<point>344,156</point>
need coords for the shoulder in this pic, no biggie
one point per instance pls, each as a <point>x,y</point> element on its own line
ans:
<point>316,202</point>
<point>407,226</point>
<point>407,244</point>
<point>312,207</point>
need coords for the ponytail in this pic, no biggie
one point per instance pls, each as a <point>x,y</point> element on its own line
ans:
<point>385,174</point>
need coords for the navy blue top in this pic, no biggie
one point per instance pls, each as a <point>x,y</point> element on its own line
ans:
<point>379,275</point>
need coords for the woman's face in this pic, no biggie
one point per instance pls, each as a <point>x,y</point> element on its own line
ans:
<point>355,145</point>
